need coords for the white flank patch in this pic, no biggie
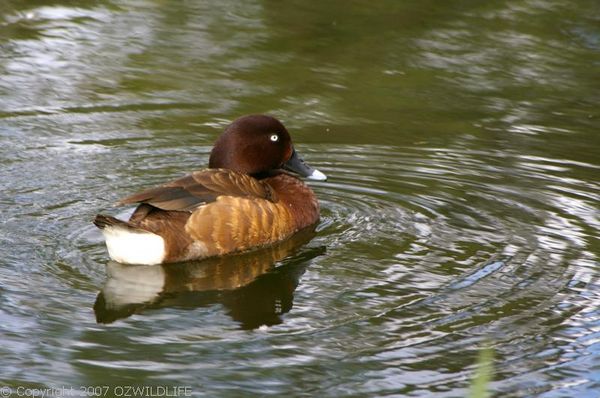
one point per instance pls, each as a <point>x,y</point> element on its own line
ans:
<point>128,247</point>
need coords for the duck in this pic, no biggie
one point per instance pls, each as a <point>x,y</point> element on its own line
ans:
<point>250,196</point>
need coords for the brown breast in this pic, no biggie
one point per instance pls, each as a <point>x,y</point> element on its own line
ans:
<point>232,224</point>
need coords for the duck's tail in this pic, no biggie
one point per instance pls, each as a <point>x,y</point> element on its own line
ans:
<point>129,244</point>
<point>102,222</point>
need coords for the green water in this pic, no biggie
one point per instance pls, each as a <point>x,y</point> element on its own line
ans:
<point>461,140</point>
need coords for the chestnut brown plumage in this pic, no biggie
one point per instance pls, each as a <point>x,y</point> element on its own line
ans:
<point>244,200</point>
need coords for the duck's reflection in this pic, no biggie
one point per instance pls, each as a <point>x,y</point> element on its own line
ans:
<point>253,290</point>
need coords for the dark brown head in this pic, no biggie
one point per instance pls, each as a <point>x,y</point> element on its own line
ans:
<point>257,144</point>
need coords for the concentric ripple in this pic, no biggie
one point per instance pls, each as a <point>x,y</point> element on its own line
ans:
<point>460,247</point>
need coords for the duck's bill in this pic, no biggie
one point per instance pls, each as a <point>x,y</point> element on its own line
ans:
<point>298,166</point>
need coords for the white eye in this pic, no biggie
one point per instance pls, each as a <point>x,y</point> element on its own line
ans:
<point>274,138</point>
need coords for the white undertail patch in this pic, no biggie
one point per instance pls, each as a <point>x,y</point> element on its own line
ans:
<point>132,247</point>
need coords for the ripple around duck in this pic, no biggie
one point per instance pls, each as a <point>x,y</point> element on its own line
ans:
<point>467,243</point>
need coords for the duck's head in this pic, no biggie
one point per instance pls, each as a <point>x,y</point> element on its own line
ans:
<point>256,145</point>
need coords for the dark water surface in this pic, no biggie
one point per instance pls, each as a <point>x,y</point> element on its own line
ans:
<point>462,142</point>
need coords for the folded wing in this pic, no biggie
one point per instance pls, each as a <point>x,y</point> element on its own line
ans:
<point>201,187</point>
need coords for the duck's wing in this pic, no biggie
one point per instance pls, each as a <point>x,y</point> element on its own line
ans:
<point>202,187</point>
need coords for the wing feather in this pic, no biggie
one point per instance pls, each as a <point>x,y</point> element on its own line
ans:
<point>201,187</point>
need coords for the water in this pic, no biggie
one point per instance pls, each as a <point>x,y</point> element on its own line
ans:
<point>461,141</point>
